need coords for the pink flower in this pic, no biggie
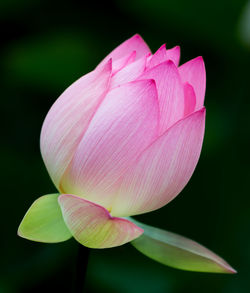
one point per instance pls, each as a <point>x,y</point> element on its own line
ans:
<point>122,140</point>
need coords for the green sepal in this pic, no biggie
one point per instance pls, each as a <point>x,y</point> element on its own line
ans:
<point>177,251</point>
<point>44,222</point>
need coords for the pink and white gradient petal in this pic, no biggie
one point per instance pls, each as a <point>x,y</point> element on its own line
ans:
<point>170,93</point>
<point>135,43</point>
<point>194,73</point>
<point>163,169</point>
<point>69,117</point>
<point>124,125</point>
<point>93,226</point>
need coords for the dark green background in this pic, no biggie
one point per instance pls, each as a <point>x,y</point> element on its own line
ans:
<point>49,44</point>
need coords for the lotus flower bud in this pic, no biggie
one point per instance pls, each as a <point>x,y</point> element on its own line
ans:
<point>122,140</point>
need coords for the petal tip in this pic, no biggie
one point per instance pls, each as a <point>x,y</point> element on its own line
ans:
<point>137,36</point>
<point>202,110</point>
<point>19,232</point>
<point>108,65</point>
<point>163,46</point>
<point>170,62</point>
<point>199,59</point>
<point>230,270</point>
<point>146,82</point>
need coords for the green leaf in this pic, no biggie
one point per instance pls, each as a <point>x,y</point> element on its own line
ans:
<point>43,221</point>
<point>179,252</point>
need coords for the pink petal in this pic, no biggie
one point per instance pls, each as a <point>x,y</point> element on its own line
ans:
<point>190,99</point>
<point>69,117</point>
<point>194,73</point>
<point>129,72</point>
<point>124,125</point>
<point>162,55</point>
<point>174,55</point>
<point>159,56</point>
<point>170,93</point>
<point>163,169</point>
<point>122,62</point>
<point>136,43</point>
<point>92,225</point>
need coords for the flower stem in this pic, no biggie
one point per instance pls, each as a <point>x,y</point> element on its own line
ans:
<point>81,268</point>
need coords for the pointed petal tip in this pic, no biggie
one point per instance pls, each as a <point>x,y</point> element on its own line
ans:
<point>178,48</point>
<point>202,110</point>
<point>163,46</point>
<point>194,72</point>
<point>105,66</point>
<point>164,63</point>
<point>199,114</point>
<point>19,233</point>
<point>108,65</point>
<point>150,82</point>
<point>230,270</point>
<point>137,36</point>
<point>198,59</point>
<point>225,267</point>
<point>170,62</point>
<point>133,54</point>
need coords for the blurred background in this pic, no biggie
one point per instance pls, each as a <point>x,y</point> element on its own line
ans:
<point>46,45</point>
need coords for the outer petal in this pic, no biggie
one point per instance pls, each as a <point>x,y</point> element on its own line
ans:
<point>68,119</point>
<point>43,221</point>
<point>136,43</point>
<point>163,169</point>
<point>179,252</point>
<point>170,93</point>
<point>124,125</point>
<point>162,55</point>
<point>190,99</point>
<point>194,73</point>
<point>92,225</point>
